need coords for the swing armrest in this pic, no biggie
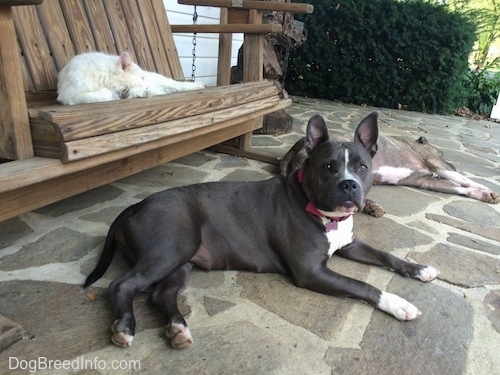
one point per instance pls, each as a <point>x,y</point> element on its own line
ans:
<point>252,4</point>
<point>228,28</point>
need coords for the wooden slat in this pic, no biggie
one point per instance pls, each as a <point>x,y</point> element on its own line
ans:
<point>230,28</point>
<point>253,67</point>
<point>19,2</point>
<point>138,35</point>
<point>99,25</point>
<point>252,4</point>
<point>225,51</point>
<point>89,120</point>
<point>15,138</point>
<point>78,26</point>
<point>158,58</point>
<point>174,65</point>
<point>117,22</point>
<point>42,71</point>
<point>184,128</point>
<point>56,32</point>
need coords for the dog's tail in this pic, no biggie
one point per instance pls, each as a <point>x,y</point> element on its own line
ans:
<point>109,247</point>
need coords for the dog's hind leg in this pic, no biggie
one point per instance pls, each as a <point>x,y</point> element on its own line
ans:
<point>165,298</point>
<point>122,292</point>
<point>469,187</point>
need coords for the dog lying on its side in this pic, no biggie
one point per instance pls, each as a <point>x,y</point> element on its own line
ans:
<point>289,226</point>
<point>403,161</point>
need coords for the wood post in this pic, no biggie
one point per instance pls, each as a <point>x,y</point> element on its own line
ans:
<point>15,136</point>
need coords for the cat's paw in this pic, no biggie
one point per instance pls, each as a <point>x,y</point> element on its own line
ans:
<point>139,92</point>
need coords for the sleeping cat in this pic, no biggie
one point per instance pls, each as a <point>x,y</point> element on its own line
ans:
<point>98,77</point>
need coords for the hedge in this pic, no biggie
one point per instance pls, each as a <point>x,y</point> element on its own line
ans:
<point>396,54</point>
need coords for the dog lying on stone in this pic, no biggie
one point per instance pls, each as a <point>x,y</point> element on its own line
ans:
<point>282,225</point>
<point>407,162</point>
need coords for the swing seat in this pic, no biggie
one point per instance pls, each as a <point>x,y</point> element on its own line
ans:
<point>50,151</point>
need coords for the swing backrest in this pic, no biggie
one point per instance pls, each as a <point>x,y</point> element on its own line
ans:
<point>51,33</point>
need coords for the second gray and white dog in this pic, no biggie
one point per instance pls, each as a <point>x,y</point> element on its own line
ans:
<point>403,161</point>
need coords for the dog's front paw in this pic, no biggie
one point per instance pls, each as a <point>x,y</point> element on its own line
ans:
<point>373,209</point>
<point>400,308</point>
<point>179,335</point>
<point>427,274</point>
<point>121,339</point>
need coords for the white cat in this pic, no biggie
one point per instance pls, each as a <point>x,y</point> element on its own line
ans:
<point>98,77</point>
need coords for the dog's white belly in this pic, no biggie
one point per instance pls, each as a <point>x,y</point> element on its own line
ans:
<point>340,237</point>
<point>391,175</point>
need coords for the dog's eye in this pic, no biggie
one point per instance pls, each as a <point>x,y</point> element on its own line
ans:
<point>363,167</point>
<point>327,167</point>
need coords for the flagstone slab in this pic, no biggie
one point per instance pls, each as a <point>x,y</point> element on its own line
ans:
<point>12,230</point>
<point>235,348</point>
<point>385,234</point>
<point>10,332</point>
<point>430,344</point>
<point>106,215</point>
<point>245,175</point>
<point>319,314</point>
<point>58,246</point>
<point>481,230</point>
<point>63,321</point>
<point>196,159</point>
<point>474,243</point>
<point>493,302</point>
<point>87,199</point>
<point>165,176</point>
<point>474,212</point>
<point>461,267</point>
<point>231,161</point>
<point>401,201</point>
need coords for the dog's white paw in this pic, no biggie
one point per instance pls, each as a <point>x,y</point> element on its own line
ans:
<point>179,335</point>
<point>400,308</point>
<point>427,274</point>
<point>121,339</point>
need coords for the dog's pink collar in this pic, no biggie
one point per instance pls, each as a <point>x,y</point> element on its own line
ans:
<point>311,208</point>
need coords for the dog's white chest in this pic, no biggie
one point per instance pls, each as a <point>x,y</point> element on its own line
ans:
<point>338,238</point>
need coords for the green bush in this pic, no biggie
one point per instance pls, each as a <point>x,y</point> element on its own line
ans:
<point>384,53</point>
<point>482,88</point>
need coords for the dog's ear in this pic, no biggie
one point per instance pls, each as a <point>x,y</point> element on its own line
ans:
<point>367,133</point>
<point>317,133</point>
<point>422,141</point>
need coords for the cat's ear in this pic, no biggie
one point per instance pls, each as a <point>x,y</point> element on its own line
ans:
<point>125,61</point>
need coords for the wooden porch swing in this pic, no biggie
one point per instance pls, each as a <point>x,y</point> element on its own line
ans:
<point>50,152</point>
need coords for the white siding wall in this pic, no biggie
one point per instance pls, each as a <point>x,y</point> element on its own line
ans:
<point>207,45</point>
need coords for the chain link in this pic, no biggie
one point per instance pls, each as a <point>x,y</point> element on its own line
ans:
<point>193,65</point>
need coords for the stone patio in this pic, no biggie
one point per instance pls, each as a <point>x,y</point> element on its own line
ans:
<point>246,323</point>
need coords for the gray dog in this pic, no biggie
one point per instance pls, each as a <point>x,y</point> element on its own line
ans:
<point>290,226</point>
<point>407,162</point>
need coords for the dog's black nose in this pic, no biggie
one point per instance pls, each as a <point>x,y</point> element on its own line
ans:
<point>349,186</point>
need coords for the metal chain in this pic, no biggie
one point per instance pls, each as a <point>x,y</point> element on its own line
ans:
<point>193,65</point>
<point>285,61</point>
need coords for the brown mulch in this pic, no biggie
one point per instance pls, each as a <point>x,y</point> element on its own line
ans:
<point>466,112</point>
